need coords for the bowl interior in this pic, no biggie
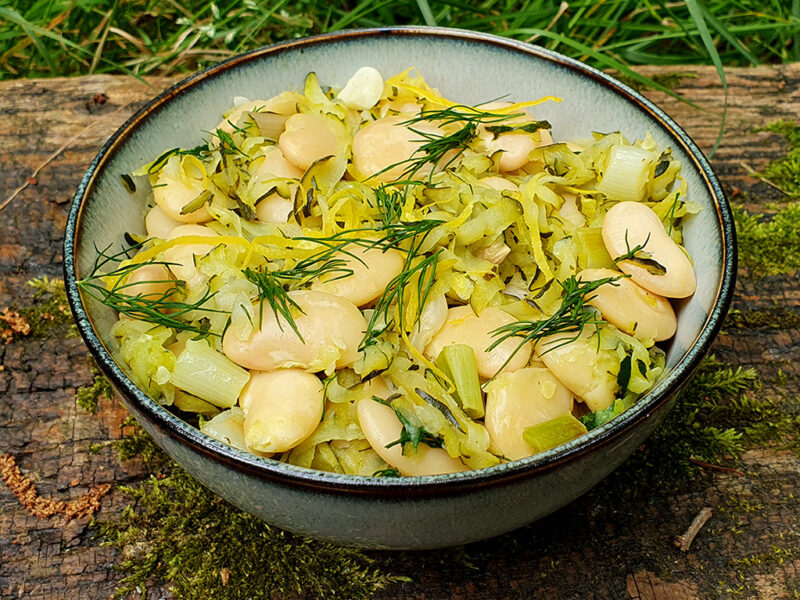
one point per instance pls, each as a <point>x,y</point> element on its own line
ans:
<point>468,68</point>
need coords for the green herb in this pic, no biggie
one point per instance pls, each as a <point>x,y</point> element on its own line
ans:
<point>394,294</point>
<point>198,203</point>
<point>624,374</point>
<point>128,182</point>
<point>435,146</point>
<point>164,308</point>
<point>569,319</point>
<point>411,433</point>
<point>440,406</point>
<point>272,292</point>
<point>638,256</point>
<point>391,472</point>
<point>531,127</point>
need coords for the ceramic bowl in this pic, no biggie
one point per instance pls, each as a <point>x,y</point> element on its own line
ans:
<point>420,512</point>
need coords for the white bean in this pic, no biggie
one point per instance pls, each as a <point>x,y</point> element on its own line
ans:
<point>179,183</point>
<point>158,223</point>
<point>149,281</point>
<point>634,310</point>
<point>515,148</point>
<point>372,269</point>
<point>183,255</point>
<point>581,367</point>
<point>381,427</point>
<point>387,142</point>
<point>274,164</point>
<point>307,138</point>
<point>630,224</point>
<point>281,408</point>
<point>331,327</point>
<point>518,400</point>
<point>275,208</point>
<point>463,326</point>
<point>363,90</point>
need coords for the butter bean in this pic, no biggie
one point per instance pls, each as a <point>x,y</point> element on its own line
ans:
<point>180,182</point>
<point>363,90</point>
<point>281,408</point>
<point>158,223</point>
<point>372,268</point>
<point>274,164</point>
<point>307,138</point>
<point>630,307</point>
<point>381,427</point>
<point>387,142</point>
<point>463,326</point>
<point>643,228</point>
<point>515,148</point>
<point>581,367</point>
<point>149,281</point>
<point>518,400</point>
<point>275,208</point>
<point>332,328</point>
<point>183,255</point>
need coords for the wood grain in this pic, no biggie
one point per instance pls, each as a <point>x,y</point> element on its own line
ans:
<point>587,550</point>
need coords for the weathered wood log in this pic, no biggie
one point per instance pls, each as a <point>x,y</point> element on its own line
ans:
<point>591,549</point>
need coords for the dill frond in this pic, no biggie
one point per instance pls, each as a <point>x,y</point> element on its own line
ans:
<point>569,319</point>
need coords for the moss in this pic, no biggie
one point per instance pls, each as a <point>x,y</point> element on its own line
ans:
<point>720,413</point>
<point>49,314</point>
<point>779,317</point>
<point>137,443</point>
<point>88,396</point>
<point>769,245</point>
<point>178,534</point>
<point>784,173</point>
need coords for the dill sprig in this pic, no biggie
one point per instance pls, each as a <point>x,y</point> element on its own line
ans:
<point>274,286</point>
<point>435,146</point>
<point>165,308</point>
<point>570,318</point>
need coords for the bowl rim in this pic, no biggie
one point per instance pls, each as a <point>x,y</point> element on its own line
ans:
<point>426,486</point>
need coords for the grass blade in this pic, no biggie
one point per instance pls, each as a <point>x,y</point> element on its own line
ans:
<point>696,12</point>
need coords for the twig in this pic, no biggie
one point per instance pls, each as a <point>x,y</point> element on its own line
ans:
<point>755,174</point>
<point>706,465</point>
<point>685,541</point>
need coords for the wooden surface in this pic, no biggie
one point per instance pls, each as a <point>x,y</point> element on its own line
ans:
<point>587,550</point>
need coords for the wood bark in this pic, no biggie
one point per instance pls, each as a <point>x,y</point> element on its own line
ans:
<point>590,549</point>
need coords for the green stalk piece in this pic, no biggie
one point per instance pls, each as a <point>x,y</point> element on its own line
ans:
<point>203,372</point>
<point>457,361</point>
<point>554,432</point>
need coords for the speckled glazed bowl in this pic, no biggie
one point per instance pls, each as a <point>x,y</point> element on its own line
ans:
<point>420,512</point>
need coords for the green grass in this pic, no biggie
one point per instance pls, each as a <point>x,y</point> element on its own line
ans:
<point>45,38</point>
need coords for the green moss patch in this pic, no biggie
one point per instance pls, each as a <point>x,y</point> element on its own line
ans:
<point>769,245</point>
<point>178,534</point>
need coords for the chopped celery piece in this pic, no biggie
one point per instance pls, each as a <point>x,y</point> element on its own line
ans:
<point>189,403</point>
<point>627,173</point>
<point>457,361</point>
<point>554,432</point>
<point>204,372</point>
